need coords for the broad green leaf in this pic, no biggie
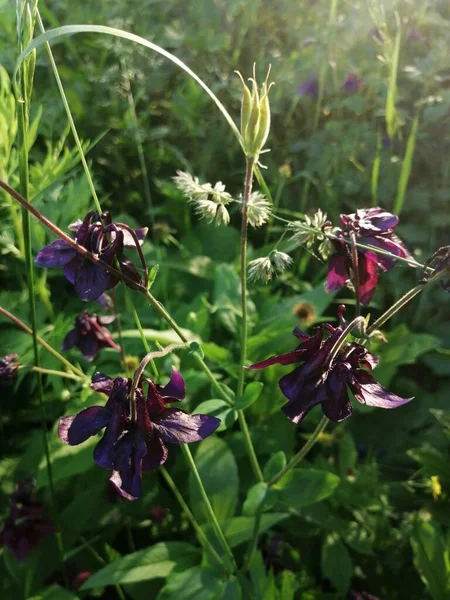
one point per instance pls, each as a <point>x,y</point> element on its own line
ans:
<point>219,409</point>
<point>337,565</point>
<point>151,563</point>
<point>301,487</point>
<point>227,296</point>
<point>54,592</point>
<point>218,471</point>
<point>240,529</point>
<point>231,590</point>
<point>443,416</point>
<point>251,394</point>
<point>347,454</point>
<point>164,337</point>
<point>255,498</point>
<point>67,461</point>
<point>274,465</point>
<point>433,462</point>
<point>198,583</point>
<point>431,558</point>
<point>288,585</point>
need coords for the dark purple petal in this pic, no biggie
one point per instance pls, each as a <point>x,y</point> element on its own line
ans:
<point>78,428</point>
<point>177,427</point>
<point>55,254</point>
<point>337,407</point>
<point>337,272</point>
<point>103,451</point>
<point>310,87</point>
<point>303,352</point>
<point>70,270</point>
<point>368,276</point>
<point>102,383</point>
<point>359,356</point>
<point>307,398</point>
<point>175,389</point>
<point>91,281</point>
<point>129,270</point>
<point>284,359</point>
<point>127,474</point>
<point>370,392</point>
<point>301,335</point>
<point>89,346</point>
<point>70,340</point>
<point>156,454</point>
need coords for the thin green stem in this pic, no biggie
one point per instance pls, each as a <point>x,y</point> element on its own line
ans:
<point>302,453</point>
<point>209,508</point>
<point>57,373</point>
<point>396,307</point>
<point>244,331</point>
<point>141,330</point>
<point>23,123</point>
<point>198,530</point>
<point>42,342</point>
<point>119,330</point>
<point>253,543</point>
<point>102,561</point>
<point>69,116</point>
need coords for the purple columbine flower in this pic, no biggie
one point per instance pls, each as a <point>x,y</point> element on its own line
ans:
<point>310,87</point>
<point>352,83</point>
<point>89,335</point>
<point>374,227</point>
<point>8,369</point>
<point>26,524</point>
<point>440,263</point>
<point>129,446</point>
<point>104,239</point>
<point>323,379</point>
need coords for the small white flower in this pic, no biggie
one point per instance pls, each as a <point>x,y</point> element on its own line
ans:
<point>260,269</point>
<point>258,210</point>
<point>309,230</point>
<point>281,261</point>
<point>209,202</point>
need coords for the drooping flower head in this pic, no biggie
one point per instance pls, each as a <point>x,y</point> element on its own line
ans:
<point>373,227</point>
<point>8,369</point>
<point>352,83</point>
<point>26,523</point>
<point>90,335</point>
<point>103,238</point>
<point>440,265</point>
<point>324,377</point>
<point>135,441</point>
<point>310,87</point>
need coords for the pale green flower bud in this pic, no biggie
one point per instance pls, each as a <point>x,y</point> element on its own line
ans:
<point>255,116</point>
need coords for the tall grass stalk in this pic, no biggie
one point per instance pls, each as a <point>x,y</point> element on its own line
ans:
<point>26,19</point>
<point>406,167</point>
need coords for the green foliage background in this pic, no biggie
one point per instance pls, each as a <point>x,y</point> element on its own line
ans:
<point>379,530</point>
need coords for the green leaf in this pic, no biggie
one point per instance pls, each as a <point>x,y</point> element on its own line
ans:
<point>218,471</point>
<point>67,461</point>
<point>152,275</point>
<point>227,297</point>
<point>431,558</point>
<point>274,465</point>
<point>302,487</point>
<point>198,583</point>
<point>347,454</point>
<point>151,563</point>
<point>251,394</point>
<point>337,565</point>
<point>288,585</point>
<point>54,592</point>
<point>240,529</point>
<point>231,591</point>
<point>219,409</point>
<point>255,498</point>
<point>443,416</point>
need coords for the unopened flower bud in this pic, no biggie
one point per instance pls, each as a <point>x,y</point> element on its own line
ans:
<point>255,116</point>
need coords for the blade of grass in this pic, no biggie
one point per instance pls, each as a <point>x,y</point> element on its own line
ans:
<point>376,171</point>
<point>391,111</point>
<point>406,167</point>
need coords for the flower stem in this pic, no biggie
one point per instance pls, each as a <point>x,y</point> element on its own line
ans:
<point>397,306</point>
<point>42,342</point>
<point>199,531</point>
<point>244,332</point>
<point>302,453</point>
<point>22,128</point>
<point>119,330</point>
<point>341,339</point>
<point>57,373</point>
<point>209,508</point>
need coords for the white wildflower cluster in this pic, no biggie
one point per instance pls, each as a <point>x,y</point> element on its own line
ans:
<point>209,202</point>
<point>258,210</point>
<point>263,269</point>
<point>313,229</point>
